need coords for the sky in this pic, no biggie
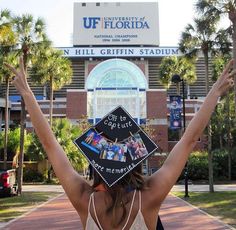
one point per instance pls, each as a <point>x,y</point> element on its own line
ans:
<point>174,15</point>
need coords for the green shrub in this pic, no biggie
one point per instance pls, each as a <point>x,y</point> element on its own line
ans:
<point>30,175</point>
<point>198,166</point>
<point>233,163</point>
<point>220,164</point>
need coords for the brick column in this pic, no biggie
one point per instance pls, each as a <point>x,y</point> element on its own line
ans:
<point>157,115</point>
<point>157,118</point>
<point>76,103</point>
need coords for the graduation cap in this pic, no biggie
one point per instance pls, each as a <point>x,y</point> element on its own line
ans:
<point>115,145</point>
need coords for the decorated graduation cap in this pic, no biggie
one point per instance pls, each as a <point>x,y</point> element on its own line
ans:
<point>115,145</point>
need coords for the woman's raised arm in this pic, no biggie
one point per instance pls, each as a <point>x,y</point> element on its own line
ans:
<point>163,180</point>
<point>72,182</point>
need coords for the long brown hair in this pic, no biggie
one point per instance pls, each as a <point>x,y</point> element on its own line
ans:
<point>133,180</point>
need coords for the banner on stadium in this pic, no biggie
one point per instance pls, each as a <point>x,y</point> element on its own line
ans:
<point>175,112</point>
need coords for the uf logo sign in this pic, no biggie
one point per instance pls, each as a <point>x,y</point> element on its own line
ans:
<point>91,22</point>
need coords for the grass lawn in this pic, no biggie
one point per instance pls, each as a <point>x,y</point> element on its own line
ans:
<point>219,204</point>
<point>12,207</point>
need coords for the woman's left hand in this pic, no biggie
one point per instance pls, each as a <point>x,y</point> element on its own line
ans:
<point>20,79</point>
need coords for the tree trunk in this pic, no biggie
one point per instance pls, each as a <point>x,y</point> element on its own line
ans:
<point>229,162</point>
<point>210,155</point>
<point>210,159</point>
<point>229,135</point>
<point>51,102</point>
<point>21,155</point>
<point>221,142</point>
<point>232,17</point>
<point>50,122</point>
<point>6,124</point>
<point>234,56</point>
<point>22,137</point>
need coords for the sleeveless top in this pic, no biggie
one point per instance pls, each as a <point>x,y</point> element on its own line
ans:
<point>138,224</point>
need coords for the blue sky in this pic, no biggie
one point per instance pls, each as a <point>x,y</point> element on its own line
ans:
<point>174,15</point>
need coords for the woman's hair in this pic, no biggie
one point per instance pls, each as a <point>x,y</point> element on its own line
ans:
<point>133,180</point>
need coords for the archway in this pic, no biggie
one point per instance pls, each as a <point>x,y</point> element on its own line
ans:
<point>116,82</point>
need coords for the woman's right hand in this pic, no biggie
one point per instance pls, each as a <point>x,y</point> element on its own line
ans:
<point>20,80</point>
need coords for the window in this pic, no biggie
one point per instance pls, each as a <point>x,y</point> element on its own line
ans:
<point>116,82</point>
<point>116,73</point>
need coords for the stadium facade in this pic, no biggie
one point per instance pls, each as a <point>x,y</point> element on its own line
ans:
<point>115,60</point>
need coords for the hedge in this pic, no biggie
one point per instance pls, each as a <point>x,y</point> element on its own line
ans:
<point>198,165</point>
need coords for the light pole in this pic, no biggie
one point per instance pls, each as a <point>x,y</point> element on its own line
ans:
<point>176,79</point>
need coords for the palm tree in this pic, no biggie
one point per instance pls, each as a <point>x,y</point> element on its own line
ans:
<point>197,38</point>
<point>50,68</point>
<point>221,56</point>
<point>219,8</point>
<point>31,33</point>
<point>7,42</point>
<point>7,35</point>
<point>218,66</point>
<point>177,65</point>
<point>185,68</point>
<point>9,58</point>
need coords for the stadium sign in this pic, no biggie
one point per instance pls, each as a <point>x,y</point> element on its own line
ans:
<point>91,52</point>
<point>125,23</point>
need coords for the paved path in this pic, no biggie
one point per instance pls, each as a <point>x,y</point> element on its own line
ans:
<point>56,214</point>
<point>59,214</point>
<point>205,187</point>
<point>42,188</point>
<point>192,188</point>
<point>178,214</point>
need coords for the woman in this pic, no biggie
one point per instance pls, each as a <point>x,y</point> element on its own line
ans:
<point>123,205</point>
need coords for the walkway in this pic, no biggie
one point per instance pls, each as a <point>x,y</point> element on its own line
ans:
<point>178,214</point>
<point>59,214</point>
<point>192,188</point>
<point>56,214</point>
<point>205,187</point>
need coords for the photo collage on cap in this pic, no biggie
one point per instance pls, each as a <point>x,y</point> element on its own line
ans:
<point>115,145</point>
